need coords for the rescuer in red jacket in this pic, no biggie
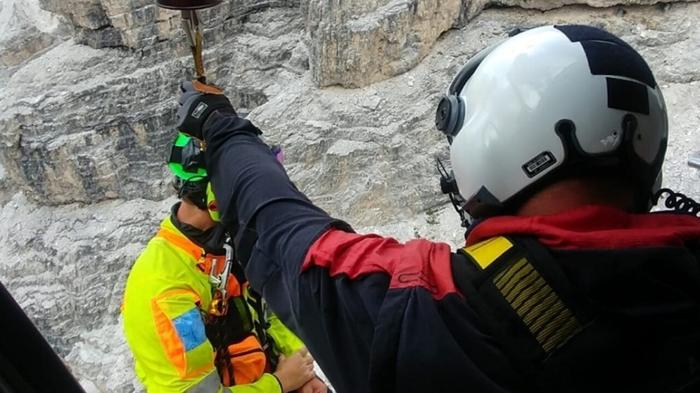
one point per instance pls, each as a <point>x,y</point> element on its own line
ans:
<point>567,283</point>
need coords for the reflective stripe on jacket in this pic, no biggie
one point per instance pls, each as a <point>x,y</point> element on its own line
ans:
<point>165,297</point>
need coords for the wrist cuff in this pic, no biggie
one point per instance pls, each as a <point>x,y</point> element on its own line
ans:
<point>233,123</point>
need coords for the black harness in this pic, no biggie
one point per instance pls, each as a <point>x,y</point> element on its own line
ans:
<point>587,321</point>
<point>237,324</point>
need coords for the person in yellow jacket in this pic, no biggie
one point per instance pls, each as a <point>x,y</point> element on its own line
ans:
<point>190,319</point>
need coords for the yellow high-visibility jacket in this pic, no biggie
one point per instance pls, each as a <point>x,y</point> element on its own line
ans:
<point>165,297</point>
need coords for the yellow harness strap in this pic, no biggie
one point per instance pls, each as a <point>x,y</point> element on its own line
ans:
<point>488,251</point>
<point>531,297</point>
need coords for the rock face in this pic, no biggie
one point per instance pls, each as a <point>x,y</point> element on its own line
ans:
<point>351,43</point>
<point>85,130</point>
<point>115,108</point>
<point>67,266</point>
<point>140,24</point>
<point>357,43</point>
<point>25,29</point>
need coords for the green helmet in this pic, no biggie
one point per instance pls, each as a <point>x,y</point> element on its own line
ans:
<point>187,163</point>
<point>187,158</point>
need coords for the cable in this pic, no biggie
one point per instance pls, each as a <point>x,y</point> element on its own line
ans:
<point>679,203</point>
<point>448,185</point>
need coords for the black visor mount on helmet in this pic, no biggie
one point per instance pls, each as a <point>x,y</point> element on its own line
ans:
<point>449,116</point>
<point>190,156</point>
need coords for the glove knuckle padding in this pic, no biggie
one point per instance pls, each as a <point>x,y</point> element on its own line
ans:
<point>196,108</point>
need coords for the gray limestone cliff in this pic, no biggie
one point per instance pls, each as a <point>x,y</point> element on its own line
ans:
<point>349,88</point>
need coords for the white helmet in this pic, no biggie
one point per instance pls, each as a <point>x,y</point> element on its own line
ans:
<point>551,102</point>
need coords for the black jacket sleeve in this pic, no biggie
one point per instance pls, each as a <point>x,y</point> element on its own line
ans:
<point>274,226</point>
<point>378,315</point>
<point>257,200</point>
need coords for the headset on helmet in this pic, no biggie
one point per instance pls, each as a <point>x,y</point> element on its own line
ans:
<point>551,102</point>
<point>449,118</point>
<point>450,113</point>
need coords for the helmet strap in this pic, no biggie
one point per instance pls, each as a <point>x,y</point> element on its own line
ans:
<point>448,185</point>
<point>194,191</point>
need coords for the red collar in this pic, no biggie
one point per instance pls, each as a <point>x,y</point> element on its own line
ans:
<point>594,227</point>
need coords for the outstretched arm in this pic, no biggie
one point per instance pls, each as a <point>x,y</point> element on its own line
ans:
<point>341,292</point>
<point>328,284</point>
<point>275,227</point>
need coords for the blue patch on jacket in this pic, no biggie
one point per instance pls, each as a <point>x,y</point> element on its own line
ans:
<point>190,328</point>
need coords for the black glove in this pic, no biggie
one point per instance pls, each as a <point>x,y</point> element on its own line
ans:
<point>197,102</point>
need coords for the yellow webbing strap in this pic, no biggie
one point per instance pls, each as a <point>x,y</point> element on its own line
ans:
<point>533,300</point>
<point>540,308</point>
<point>488,251</point>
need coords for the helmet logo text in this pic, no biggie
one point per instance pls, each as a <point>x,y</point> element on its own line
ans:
<point>538,164</point>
